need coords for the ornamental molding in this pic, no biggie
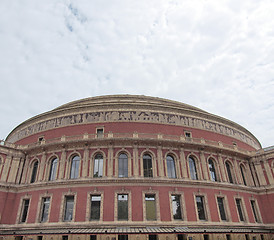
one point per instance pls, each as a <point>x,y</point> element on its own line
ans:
<point>24,130</point>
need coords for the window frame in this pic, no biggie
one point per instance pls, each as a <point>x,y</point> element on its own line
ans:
<point>150,171</point>
<point>100,131</point>
<point>22,210</point>
<point>205,205</point>
<point>99,160</point>
<point>73,168</point>
<point>40,205</point>
<point>215,169</point>
<point>125,173</point>
<point>52,159</point>
<point>122,192</point>
<point>255,211</point>
<point>42,209</point>
<point>243,174</point>
<point>63,206</point>
<point>242,209</point>
<point>195,164</point>
<point>157,206</point>
<point>172,160</point>
<point>34,179</point>
<point>88,207</point>
<point>230,175</point>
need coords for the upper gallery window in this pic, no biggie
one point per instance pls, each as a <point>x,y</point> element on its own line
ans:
<point>176,207</point>
<point>220,201</point>
<point>212,170</point>
<point>45,209</point>
<point>53,169</point>
<point>122,206</point>
<point>150,206</point>
<point>147,164</point>
<point>170,167</point>
<point>229,173</point>
<point>74,170</point>
<point>25,209</point>
<point>98,165</point>
<point>34,172</point>
<point>95,207</point>
<point>200,207</point>
<point>100,132</point>
<point>242,169</point>
<point>192,169</point>
<point>69,205</point>
<point>123,165</point>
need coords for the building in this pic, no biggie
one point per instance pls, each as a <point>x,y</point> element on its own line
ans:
<point>134,167</point>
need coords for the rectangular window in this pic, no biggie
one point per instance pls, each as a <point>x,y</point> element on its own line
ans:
<point>228,237</point>
<point>122,237</point>
<point>206,237</point>
<point>45,209</point>
<point>39,237</point>
<point>95,204</point>
<point>25,209</point>
<point>221,207</point>
<point>152,237</point>
<point>176,207</point>
<point>200,207</point>
<point>150,207</point>
<point>239,208</point>
<point>92,237</point>
<point>181,237</point>
<point>98,167</point>
<point>122,207</point>
<point>100,132</point>
<point>254,210</point>
<point>69,205</point>
<point>65,237</point>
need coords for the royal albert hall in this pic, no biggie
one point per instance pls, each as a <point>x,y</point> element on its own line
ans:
<point>134,167</point>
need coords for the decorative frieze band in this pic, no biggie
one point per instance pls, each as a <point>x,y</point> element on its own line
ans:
<point>131,116</point>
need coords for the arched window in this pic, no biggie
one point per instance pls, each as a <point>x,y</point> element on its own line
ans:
<point>123,165</point>
<point>243,173</point>
<point>147,165</point>
<point>34,172</point>
<point>98,166</point>
<point>74,169</point>
<point>171,172</point>
<point>53,169</point>
<point>229,173</point>
<point>192,169</point>
<point>212,170</point>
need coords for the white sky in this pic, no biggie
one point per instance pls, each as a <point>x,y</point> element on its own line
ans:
<point>212,54</point>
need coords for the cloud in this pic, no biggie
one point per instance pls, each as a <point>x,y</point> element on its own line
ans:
<point>215,55</point>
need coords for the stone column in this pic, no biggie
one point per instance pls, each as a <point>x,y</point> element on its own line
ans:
<point>14,169</point>
<point>6,169</point>
<point>61,164</point>
<point>160,161</point>
<point>42,167</point>
<point>183,163</point>
<point>268,172</point>
<point>204,165</point>
<point>85,163</point>
<point>260,173</point>
<point>110,161</point>
<point>135,161</point>
<point>222,168</point>
<point>236,170</point>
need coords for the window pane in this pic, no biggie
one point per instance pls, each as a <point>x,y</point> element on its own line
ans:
<point>212,170</point>
<point>98,166</point>
<point>25,210</point>
<point>123,165</point>
<point>239,207</point>
<point>176,206</point>
<point>45,209</point>
<point>122,237</point>
<point>69,208</point>
<point>200,207</point>
<point>254,210</point>
<point>243,174</point>
<point>228,169</point>
<point>150,207</point>
<point>170,167</point>
<point>34,172</point>
<point>95,207</point>
<point>147,164</point>
<point>192,168</point>
<point>221,208</point>
<point>122,207</point>
<point>74,171</point>
<point>53,169</point>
